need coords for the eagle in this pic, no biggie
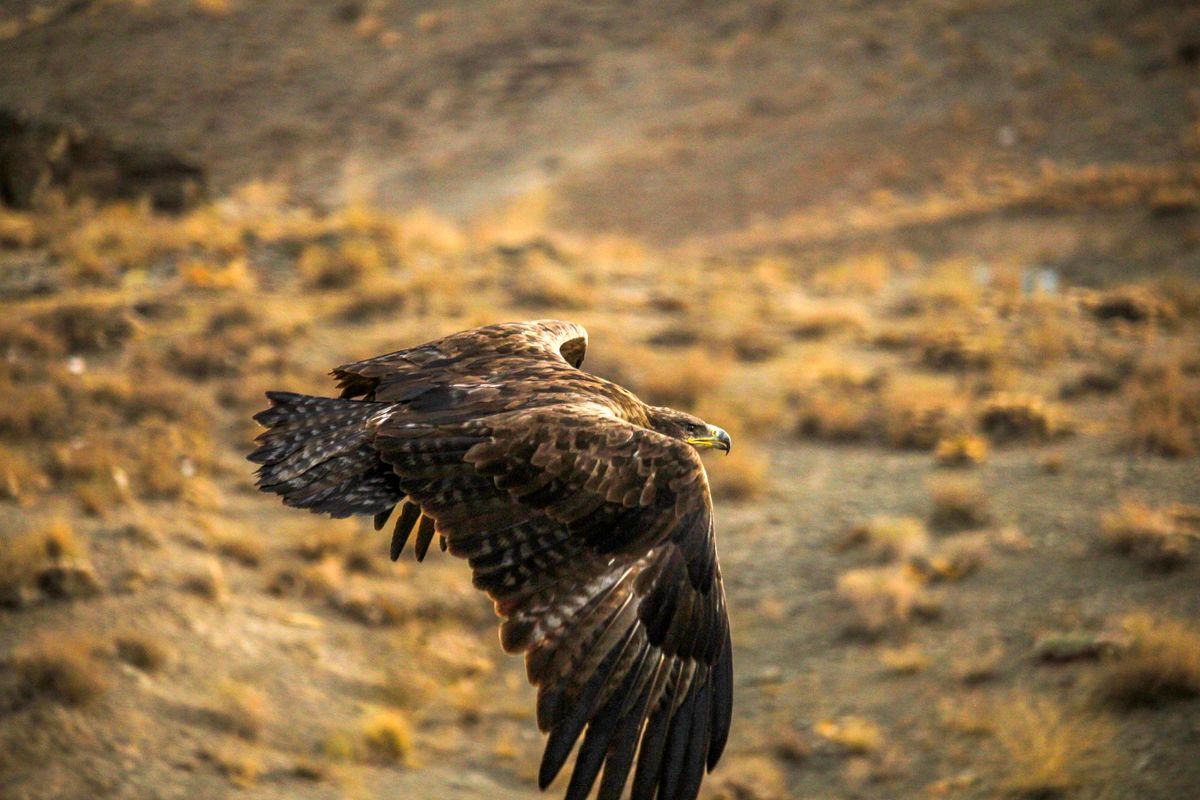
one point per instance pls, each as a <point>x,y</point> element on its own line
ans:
<point>583,512</point>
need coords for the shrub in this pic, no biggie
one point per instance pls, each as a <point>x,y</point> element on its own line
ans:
<point>1007,417</point>
<point>957,503</point>
<point>1159,663</point>
<point>60,667</point>
<point>1152,535</point>
<point>388,736</point>
<point>1048,750</point>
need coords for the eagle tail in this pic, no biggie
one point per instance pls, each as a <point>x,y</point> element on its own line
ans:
<point>317,453</point>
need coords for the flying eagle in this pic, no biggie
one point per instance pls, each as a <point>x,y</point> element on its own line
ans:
<point>585,514</point>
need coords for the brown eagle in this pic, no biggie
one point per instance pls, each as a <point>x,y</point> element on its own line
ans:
<point>584,513</point>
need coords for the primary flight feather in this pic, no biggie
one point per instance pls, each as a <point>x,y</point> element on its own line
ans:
<point>583,512</point>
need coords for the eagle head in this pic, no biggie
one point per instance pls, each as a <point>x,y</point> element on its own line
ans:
<point>689,428</point>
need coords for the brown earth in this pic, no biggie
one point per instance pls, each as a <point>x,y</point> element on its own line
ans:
<point>858,235</point>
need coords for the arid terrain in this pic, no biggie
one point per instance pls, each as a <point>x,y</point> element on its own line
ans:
<point>935,266</point>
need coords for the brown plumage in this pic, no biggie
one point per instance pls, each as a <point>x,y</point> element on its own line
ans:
<point>584,513</point>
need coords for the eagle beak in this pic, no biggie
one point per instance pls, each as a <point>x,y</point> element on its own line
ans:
<point>715,438</point>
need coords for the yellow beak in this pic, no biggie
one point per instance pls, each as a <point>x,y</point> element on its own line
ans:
<point>714,437</point>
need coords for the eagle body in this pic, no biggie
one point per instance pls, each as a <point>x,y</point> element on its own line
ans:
<point>584,513</point>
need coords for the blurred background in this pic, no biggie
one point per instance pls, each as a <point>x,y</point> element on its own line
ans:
<point>935,265</point>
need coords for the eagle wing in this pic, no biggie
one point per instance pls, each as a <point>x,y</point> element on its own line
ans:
<point>594,537</point>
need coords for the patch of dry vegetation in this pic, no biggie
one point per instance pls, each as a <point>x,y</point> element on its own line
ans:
<point>1164,410</point>
<point>884,598</point>
<point>388,737</point>
<point>1011,417</point>
<point>957,503</point>
<point>61,667</point>
<point>144,651</point>
<point>242,709</point>
<point>1160,662</point>
<point>1049,750</point>
<point>1156,536</point>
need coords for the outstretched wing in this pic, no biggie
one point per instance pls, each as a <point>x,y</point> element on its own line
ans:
<point>594,537</point>
<point>470,356</point>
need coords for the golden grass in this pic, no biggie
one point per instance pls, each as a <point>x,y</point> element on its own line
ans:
<point>1152,535</point>
<point>388,737</point>
<point>147,652</point>
<point>907,660</point>
<point>747,777</point>
<point>882,597</point>
<point>1164,411</point>
<point>24,554</point>
<point>891,538</point>
<point>1009,417</point>
<point>1159,663</point>
<point>739,476</point>
<point>1049,750</point>
<point>207,582</point>
<point>61,667</point>
<point>957,503</point>
<point>21,479</point>
<point>852,735</point>
<point>242,709</point>
<point>961,450</point>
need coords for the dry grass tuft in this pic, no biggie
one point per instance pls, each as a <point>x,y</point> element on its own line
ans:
<point>959,556</point>
<point>21,479</point>
<point>1009,417</point>
<point>1160,663</point>
<point>388,737</point>
<point>242,548</point>
<point>60,667</point>
<point>144,651</point>
<point>744,777</point>
<point>852,735</point>
<point>739,476</point>
<point>1164,411</point>
<point>883,597</point>
<point>961,450</point>
<point>891,538</point>
<point>28,560</point>
<point>242,709</point>
<point>957,503</point>
<point>907,660</point>
<point>208,583</point>
<point>1152,535</point>
<point>1048,750</point>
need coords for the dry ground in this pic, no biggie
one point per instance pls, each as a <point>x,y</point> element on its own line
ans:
<point>959,525</point>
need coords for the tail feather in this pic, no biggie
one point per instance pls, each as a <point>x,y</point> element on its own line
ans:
<point>317,453</point>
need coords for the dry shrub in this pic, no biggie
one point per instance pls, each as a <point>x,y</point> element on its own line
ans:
<point>242,548</point>
<point>747,777</point>
<point>1164,411</point>
<point>388,737</point>
<point>25,556</point>
<point>852,735</point>
<point>1049,750</point>
<point>60,667</point>
<point>883,597</point>
<point>891,538</point>
<point>959,556</point>
<point>961,450</point>
<point>20,478</point>
<point>241,766</point>
<point>208,582</point>
<point>740,475</point>
<point>318,580</point>
<point>754,342</point>
<point>918,418</point>
<point>826,322</point>
<point>356,258</point>
<point>907,660</point>
<point>89,327</point>
<point>242,709</point>
<point>1131,304</point>
<point>957,503</point>
<point>864,273</point>
<point>953,350</point>
<point>683,382</point>
<point>1160,663</point>
<point>1008,417</point>
<point>144,651</point>
<point>544,285</point>
<point>1152,535</point>
<point>951,284</point>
